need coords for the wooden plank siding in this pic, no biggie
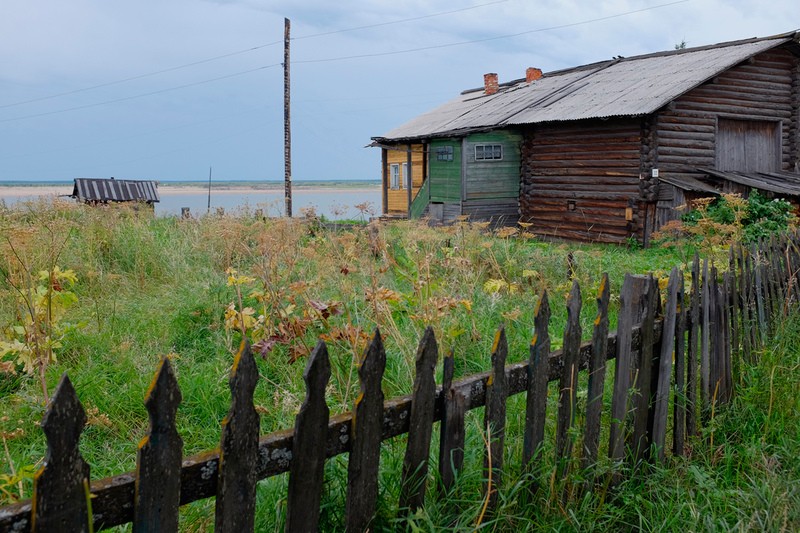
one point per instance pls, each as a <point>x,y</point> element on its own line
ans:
<point>595,164</point>
<point>492,187</point>
<point>445,175</point>
<point>397,199</point>
<point>763,89</point>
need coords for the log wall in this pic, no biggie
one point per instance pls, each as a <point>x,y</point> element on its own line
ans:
<point>764,88</point>
<point>579,178</point>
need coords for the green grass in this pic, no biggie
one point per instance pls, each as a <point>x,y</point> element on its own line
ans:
<point>148,287</point>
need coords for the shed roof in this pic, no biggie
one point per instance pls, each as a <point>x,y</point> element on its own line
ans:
<point>631,86</point>
<point>786,183</point>
<point>113,190</point>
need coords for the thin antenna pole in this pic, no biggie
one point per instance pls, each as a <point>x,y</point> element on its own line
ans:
<point>287,132</point>
<point>208,210</point>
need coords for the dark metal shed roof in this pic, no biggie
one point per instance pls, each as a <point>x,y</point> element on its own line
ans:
<point>113,190</point>
<point>787,183</point>
<point>633,86</point>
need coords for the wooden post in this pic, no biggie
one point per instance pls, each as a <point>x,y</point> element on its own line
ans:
<point>451,439</point>
<point>630,313</point>
<point>236,482</point>
<point>384,181</point>
<point>495,418</point>
<point>538,370</point>
<point>415,463</point>
<point>365,436</point>
<point>694,337</point>
<point>679,411</point>
<point>409,179</point>
<point>60,486</point>
<point>568,386</point>
<point>642,397</point>
<point>158,463</point>
<point>308,456</point>
<point>705,344</point>
<point>661,406</point>
<point>597,376</point>
<point>287,129</point>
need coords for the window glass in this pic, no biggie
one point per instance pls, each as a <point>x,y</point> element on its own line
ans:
<point>488,152</point>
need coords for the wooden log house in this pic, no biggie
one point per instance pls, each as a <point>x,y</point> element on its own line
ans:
<point>607,151</point>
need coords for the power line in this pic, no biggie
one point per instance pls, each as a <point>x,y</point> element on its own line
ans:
<point>508,36</point>
<point>239,52</point>
<point>140,76</point>
<point>379,24</point>
<point>142,95</point>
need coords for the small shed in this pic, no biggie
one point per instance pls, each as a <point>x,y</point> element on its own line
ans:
<point>103,191</point>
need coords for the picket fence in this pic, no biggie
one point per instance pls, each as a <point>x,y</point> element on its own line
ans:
<point>664,356</point>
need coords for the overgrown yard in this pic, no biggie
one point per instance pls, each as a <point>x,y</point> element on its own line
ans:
<point>103,294</point>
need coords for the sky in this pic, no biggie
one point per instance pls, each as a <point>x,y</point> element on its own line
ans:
<point>166,89</point>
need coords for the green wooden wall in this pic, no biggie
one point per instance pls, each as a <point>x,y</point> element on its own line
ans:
<point>496,178</point>
<point>445,176</point>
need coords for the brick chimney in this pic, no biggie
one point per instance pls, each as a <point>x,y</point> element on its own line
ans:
<point>532,74</point>
<point>490,84</point>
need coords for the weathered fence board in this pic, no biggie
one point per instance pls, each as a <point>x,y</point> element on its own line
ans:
<point>415,463</point>
<point>679,409</point>
<point>705,342</point>
<point>661,406</point>
<point>308,457</point>
<point>538,371</point>
<point>568,385</point>
<point>60,487</point>
<point>451,440</point>
<point>158,465</point>
<point>642,387</point>
<point>367,423</point>
<point>692,355</point>
<point>495,418</point>
<point>632,299</point>
<point>236,485</point>
<point>597,376</point>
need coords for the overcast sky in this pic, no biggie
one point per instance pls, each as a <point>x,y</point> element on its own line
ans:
<point>138,90</point>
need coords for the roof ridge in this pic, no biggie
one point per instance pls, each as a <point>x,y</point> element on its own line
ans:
<point>786,36</point>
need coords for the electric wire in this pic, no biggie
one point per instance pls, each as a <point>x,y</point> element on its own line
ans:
<point>486,39</point>
<point>140,76</point>
<point>142,95</point>
<point>239,52</point>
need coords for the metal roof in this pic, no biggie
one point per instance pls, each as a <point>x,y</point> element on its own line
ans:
<point>787,183</point>
<point>113,190</point>
<point>687,183</point>
<point>631,86</point>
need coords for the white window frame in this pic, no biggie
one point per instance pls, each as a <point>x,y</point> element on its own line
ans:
<point>404,176</point>
<point>394,176</point>
<point>491,146</point>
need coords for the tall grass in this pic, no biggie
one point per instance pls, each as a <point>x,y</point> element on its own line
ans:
<point>150,287</point>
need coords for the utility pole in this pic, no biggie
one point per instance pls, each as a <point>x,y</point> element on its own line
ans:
<point>208,210</point>
<point>287,131</point>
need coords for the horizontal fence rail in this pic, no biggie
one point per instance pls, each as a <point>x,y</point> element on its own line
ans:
<point>658,349</point>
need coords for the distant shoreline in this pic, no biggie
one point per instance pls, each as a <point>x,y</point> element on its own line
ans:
<point>17,189</point>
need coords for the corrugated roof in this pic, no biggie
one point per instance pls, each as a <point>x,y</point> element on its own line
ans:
<point>787,183</point>
<point>622,87</point>
<point>113,190</point>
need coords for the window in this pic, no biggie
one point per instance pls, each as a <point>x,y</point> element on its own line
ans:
<point>488,152</point>
<point>404,177</point>
<point>444,153</point>
<point>394,173</point>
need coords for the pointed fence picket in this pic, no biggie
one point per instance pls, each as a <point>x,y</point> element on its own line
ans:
<point>657,359</point>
